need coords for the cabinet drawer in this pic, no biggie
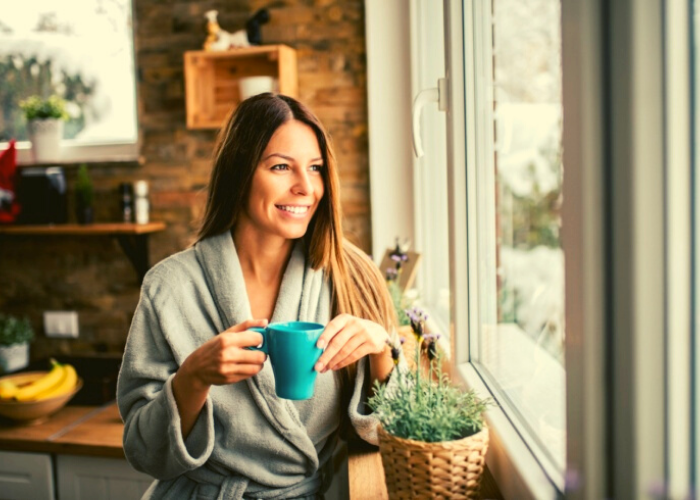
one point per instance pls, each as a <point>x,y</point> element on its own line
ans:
<point>26,475</point>
<point>88,478</point>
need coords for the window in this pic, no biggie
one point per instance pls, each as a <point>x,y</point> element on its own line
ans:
<point>83,52</point>
<point>485,212</point>
<point>513,196</point>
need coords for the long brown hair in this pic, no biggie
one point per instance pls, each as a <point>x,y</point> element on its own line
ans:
<point>358,286</point>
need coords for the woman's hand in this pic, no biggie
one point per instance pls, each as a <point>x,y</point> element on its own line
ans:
<point>224,359</point>
<point>221,360</point>
<point>347,339</point>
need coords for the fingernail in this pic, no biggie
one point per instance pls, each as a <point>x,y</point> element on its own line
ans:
<point>319,367</point>
<point>321,344</point>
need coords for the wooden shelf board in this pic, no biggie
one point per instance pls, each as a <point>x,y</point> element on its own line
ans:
<point>84,229</point>
<point>240,52</point>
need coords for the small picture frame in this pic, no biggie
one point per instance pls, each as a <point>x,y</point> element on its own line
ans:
<point>408,268</point>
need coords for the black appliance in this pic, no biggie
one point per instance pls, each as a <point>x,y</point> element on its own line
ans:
<point>41,193</point>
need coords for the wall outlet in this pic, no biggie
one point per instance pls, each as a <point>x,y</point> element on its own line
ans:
<point>61,324</point>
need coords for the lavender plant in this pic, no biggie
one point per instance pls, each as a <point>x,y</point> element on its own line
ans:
<point>429,409</point>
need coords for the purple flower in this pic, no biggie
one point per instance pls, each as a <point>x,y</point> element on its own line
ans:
<point>417,318</point>
<point>432,350</point>
<point>399,257</point>
<point>391,274</point>
<point>395,351</point>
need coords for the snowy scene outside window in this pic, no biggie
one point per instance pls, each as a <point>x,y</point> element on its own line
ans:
<point>80,50</point>
<point>519,177</point>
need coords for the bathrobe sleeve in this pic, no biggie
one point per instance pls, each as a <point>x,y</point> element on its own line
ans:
<point>361,417</point>
<point>153,440</point>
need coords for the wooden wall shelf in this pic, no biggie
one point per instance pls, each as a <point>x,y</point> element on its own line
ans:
<point>211,79</point>
<point>113,228</point>
<point>133,238</point>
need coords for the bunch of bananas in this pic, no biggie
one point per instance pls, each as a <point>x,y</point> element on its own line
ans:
<point>61,379</point>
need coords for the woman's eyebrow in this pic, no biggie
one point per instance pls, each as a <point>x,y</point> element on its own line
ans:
<point>288,158</point>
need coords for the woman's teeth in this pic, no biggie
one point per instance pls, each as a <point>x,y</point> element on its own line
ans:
<point>294,210</point>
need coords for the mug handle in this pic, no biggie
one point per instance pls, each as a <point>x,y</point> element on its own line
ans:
<point>262,347</point>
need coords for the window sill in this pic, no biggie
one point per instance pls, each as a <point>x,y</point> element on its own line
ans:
<point>73,152</point>
<point>512,464</point>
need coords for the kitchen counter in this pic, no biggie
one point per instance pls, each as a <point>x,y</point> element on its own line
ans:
<point>73,430</point>
<point>98,430</point>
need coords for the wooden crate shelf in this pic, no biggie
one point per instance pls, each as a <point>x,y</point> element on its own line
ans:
<point>211,79</point>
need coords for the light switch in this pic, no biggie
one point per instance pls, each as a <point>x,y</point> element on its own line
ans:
<point>61,324</point>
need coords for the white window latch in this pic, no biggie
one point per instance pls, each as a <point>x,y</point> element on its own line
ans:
<point>436,94</point>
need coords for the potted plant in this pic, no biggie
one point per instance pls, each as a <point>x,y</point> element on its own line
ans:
<point>432,436</point>
<point>45,119</point>
<point>84,195</point>
<point>15,336</point>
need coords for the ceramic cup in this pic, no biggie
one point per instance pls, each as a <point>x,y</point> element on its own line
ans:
<point>253,85</point>
<point>293,353</point>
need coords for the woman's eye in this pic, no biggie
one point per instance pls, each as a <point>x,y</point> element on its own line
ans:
<point>316,168</point>
<point>281,166</point>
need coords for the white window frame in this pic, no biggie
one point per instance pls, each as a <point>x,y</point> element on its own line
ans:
<point>77,152</point>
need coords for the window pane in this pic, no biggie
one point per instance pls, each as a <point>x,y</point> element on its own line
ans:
<point>81,50</point>
<point>519,178</point>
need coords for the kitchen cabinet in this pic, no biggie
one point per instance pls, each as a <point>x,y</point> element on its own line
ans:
<point>87,478</point>
<point>26,475</point>
<point>211,79</point>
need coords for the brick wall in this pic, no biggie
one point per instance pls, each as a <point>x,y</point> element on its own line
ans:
<point>91,274</point>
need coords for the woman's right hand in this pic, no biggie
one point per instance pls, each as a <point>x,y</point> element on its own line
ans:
<point>221,360</point>
<point>224,359</point>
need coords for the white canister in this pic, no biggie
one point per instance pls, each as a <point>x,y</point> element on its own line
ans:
<point>141,204</point>
<point>253,85</point>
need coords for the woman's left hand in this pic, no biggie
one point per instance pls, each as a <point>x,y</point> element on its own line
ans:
<point>347,339</point>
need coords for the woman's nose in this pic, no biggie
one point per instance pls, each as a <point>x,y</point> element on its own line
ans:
<point>303,183</point>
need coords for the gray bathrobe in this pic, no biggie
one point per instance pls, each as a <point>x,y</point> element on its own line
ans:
<point>246,440</point>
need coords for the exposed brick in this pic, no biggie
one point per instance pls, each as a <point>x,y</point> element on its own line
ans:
<point>91,274</point>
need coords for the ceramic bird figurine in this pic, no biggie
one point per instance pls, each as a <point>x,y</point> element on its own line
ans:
<point>220,39</point>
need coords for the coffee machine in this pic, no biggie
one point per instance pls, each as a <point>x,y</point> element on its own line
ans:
<point>41,193</point>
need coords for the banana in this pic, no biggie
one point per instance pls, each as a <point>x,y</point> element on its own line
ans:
<point>64,386</point>
<point>29,392</point>
<point>7,389</point>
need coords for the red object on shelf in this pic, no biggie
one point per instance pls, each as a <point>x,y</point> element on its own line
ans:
<point>9,208</point>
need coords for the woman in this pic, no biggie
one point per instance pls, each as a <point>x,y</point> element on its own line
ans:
<point>200,410</point>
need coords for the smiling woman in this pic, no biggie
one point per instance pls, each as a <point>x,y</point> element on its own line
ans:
<point>270,250</point>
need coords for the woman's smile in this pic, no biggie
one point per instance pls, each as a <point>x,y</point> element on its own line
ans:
<point>295,211</point>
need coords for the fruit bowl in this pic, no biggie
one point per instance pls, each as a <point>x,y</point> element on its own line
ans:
<point>27,411</point>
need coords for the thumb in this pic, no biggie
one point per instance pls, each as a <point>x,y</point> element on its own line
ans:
<point>242,327</point>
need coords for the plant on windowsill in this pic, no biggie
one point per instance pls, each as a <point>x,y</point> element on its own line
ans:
<point>15,337</point>
<point>432,436</point>
<point>84,195</point>
<point>45,119</point>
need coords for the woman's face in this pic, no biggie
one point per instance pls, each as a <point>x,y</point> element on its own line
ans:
<point>287,185</point>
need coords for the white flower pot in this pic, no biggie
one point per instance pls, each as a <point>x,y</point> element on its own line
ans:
<point>14,357</point>
<point>45,136</point>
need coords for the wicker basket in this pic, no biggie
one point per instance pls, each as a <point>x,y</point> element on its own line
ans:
<point>452,469</point>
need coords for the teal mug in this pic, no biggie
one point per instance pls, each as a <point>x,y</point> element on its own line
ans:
<point>293,354</point>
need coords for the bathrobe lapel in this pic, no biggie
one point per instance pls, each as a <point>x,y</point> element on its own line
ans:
<point>304,295</point>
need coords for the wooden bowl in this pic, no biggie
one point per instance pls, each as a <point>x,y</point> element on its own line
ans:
<point>27,411</point>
